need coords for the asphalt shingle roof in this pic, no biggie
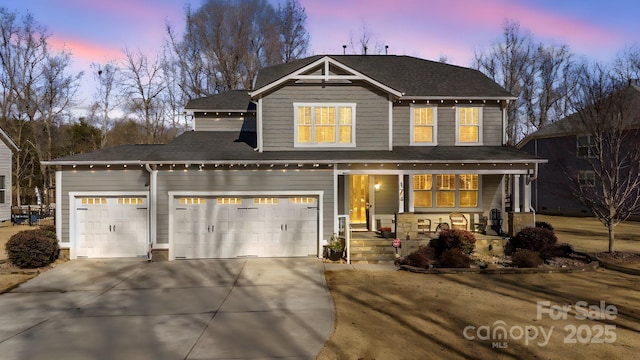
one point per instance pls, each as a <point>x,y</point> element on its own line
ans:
<point>209,146</point>
<point>235,100</point>
<point>409,75</point>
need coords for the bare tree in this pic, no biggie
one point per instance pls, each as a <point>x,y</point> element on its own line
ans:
<point>362,42</point>
<point>507,63</point>
<point>607,122</point>
<point>106,98</point>
<point>294,37</point>
<point>548,86</point>
<point>142,84</point>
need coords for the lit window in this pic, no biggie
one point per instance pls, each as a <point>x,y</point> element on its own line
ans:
<point>94,201</point>
<point>301,200</point>
<point>267,201</point>
<point>445,190</point>
<point>468,125</point>
<point>192,201</point>
<point>423,125</point>
<point>324,124</point>
<point>422,190</point>
<point>130,201</point>
<point>229,201</point>
<point>468,190</point>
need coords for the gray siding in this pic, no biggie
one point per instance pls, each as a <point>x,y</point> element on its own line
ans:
<point>372,114</point>
<point>247,123</point>
<point>98,181</point>
<point>446,127</point>
<point>221,180</point>
<point>386,200</point>
<point>491,192</point>
<point>5,169</point>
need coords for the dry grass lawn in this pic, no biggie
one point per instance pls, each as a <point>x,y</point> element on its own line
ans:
<point>402,315</point>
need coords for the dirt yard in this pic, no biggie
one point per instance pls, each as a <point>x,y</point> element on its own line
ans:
<point>402,315</point>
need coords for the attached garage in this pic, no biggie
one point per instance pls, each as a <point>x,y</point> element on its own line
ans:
<point>244,226</point>
<point>109,226</point>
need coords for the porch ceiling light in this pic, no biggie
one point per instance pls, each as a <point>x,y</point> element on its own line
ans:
<point>108,165</point>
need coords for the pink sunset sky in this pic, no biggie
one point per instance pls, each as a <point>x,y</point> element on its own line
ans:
<point>98,31</point>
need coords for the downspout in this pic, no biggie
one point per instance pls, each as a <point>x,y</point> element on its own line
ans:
<point>153,209</point>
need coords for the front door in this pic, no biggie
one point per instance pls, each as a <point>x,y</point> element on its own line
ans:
<point>359,200</point>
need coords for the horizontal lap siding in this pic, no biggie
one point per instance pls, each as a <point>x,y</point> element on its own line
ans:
<point>372,115</point>
<point>247,123</point>
<point>491,192</point>
<point>5,169</point>
<point>242,181</point>
<point>446,125</point>
<point>99,181</point>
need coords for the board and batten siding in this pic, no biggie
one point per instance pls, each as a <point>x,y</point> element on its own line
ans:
<point>98,181</point>
<point>243,181</point>
<point>446,124</point>
<point>5,169</point>
<point>372,115</point>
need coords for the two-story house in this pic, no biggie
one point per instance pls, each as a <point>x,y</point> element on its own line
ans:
<point>268,172</point>
<point>570,145</point>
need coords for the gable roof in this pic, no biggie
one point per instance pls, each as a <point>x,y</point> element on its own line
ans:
<point>233,101</point>
<point>411,77</point>
<point>7,140</point>
<point>574,125</point>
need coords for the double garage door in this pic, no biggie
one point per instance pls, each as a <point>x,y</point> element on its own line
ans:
<point>228,227</point>
<point>111,226</point>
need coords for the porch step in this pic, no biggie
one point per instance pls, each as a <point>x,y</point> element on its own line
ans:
<point>372,251</point>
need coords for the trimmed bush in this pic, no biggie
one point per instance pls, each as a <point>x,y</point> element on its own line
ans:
<point>524,258</point>
<point>423,257</point>
<point>564,250</point>
<point>454,258</point>
<point>453,239</point>
<point>540,240</point>
<point>31,249</point>
<point>544,225</point>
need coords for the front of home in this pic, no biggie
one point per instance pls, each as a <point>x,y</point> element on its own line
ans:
<point>269,172</point>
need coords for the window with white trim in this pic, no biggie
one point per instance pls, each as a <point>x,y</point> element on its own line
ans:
<point>451,191</point>
<point>587,178</point>
<point>468,125</point>
<point>422,190</point>
<point>192,201</point>
<point>586,146</point>
<point>324,124</point>
<point>265,201</point>
<point>424,120</point>
<point>229,201</point>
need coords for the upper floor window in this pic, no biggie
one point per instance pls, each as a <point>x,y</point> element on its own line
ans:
<point>586,146</point>
<point>324,124</point>
<point>423,125</point>
<point>468,125</point>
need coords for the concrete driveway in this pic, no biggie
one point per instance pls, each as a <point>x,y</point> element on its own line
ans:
<point>195,309</point>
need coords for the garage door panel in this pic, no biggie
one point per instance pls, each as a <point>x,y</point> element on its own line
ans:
<point>249,226</point>
<point>111,227</point>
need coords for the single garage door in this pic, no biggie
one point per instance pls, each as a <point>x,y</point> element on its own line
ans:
<point>111,226</point>
<point>228,227</point>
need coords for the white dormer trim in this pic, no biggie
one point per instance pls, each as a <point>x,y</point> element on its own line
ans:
<point>326,62</point>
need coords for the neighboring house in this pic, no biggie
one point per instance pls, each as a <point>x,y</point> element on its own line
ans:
<point>7,147</point>
<point>567,144</point>
<point>268,172</point>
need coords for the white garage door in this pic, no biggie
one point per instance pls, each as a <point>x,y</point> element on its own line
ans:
<point>227,227</point>
<point>111,226</point>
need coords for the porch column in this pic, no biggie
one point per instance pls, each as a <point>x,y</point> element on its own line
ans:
<point>515,194</point>
<point>400,193</point>
<point>527,194</point>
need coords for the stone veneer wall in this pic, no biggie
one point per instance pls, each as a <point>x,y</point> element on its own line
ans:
<point>520,220</point>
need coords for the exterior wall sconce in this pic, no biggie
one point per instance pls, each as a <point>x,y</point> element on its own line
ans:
<point>377,186</point>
